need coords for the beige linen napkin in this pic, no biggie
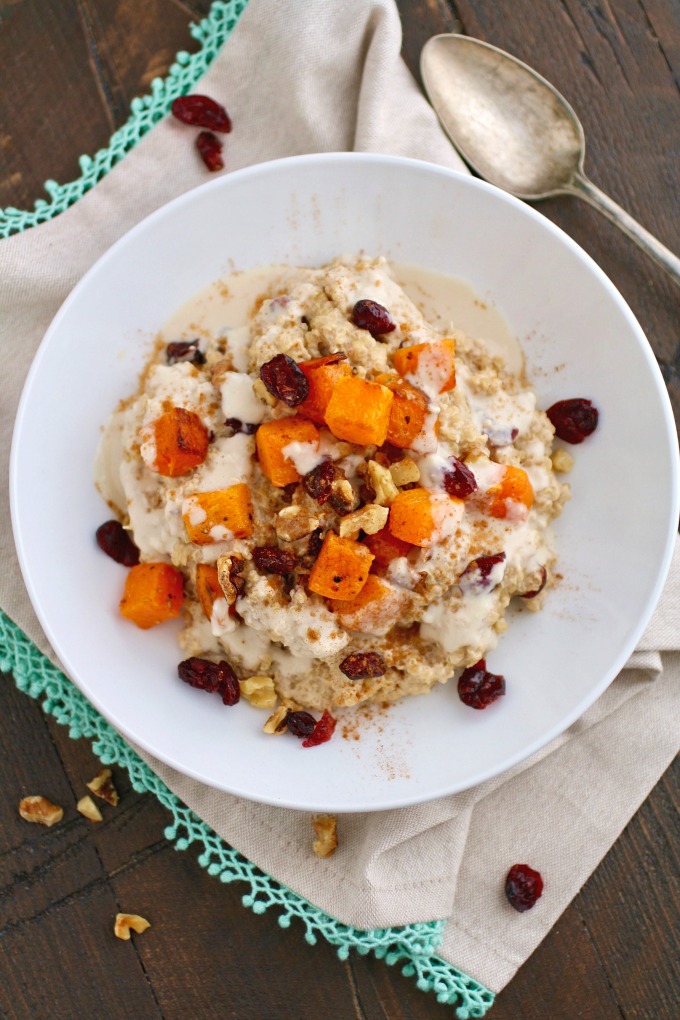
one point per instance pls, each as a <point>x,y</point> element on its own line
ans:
<point>309,77</point>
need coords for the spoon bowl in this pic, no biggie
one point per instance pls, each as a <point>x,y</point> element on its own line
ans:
<point>516,130</point>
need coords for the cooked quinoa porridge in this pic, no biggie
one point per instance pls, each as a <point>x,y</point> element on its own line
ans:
<point>339,497</point>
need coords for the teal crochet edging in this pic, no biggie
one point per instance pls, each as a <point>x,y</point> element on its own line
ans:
<point>412,946</point>
<point>145,111</point>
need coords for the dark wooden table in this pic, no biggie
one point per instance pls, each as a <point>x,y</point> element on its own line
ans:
<point>69,69</point>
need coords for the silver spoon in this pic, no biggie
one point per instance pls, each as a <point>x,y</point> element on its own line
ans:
<point>517,131</point>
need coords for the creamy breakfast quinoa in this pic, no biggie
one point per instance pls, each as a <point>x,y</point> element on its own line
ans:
<point>340,500</point>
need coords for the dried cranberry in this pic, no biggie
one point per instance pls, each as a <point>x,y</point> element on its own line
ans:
<point>573,419</point>
<point>184,350</point>
<point>300,724</point>
<point>373,317</point>
<point>285,380</point>
<point>478,688</point>
<point>323,731</point>
<point>210,150</point>
<point>523,886</point>
<point>201,111</point>
<point>236,425</point>
<point>391,453</point>
<point>537,591</point>
<point>458,479</point>
<point>360,665</point>
<point>315,542</point>
<point>213,677</point>
<point>477,575</point>
<point>115,541</point>
<point>318,482</point>
<point>269,559</point>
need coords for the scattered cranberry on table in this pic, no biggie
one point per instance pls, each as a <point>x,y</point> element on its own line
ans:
<point>201,111</point>
<point>210,149</point>
<point>523,887</point>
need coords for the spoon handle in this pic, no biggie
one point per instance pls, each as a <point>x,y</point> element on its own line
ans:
<point>585,189</point>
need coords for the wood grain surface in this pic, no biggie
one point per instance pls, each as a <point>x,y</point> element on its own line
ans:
<point>68,70</point>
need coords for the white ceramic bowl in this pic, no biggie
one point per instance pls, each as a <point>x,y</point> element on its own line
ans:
<point>614,538</point>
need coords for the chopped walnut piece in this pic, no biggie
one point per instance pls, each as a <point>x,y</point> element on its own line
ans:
<point>102,786</point>
<point>405,471</point>
<point>342,449</point>
<point>228,571</point>
<point>263,394</point>
<point>342,497</point>
<point>370,518</point>
<point>40,810</point>
<point>89,809</point>
<point>326,830</point>
<point>382,484</point>
<point>295,522</point>
<point>259,691</point>
<point>218,369</point>
<point>125,922</point>
<point>562,460</point>
<point>276,723</point>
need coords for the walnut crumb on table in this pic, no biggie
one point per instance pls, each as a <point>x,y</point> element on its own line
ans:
<point>41,810</point>
<point>102,786</point>
<point>124,923</point>
<point>326,830</point>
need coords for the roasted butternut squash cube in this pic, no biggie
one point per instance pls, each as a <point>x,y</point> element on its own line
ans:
<point>272,437</point>
<point>219,515</point>
<point>341,568</point>
<point>153,594</point>
<point>408,413</point>
<point>512,497</point>
<point>207,587</point>
<point>375,609</point>
<point>175,443</point>
<point>385,547</point>
<point>430,366</point>
<point>411,517</point>
<point>322,375</point>
<point>359,411</point>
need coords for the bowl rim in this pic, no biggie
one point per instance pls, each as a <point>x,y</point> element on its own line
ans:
<point>419,166</point>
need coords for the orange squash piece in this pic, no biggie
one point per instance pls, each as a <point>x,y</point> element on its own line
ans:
<point>514,486</point>
<point>219,515</point>
<point>341,568</point>
<point>359,411</point>
<point>378,603</point>
<point>272,437</point>
<point>407,413</point>
<point>411,517</point>
<point>433,363</point>
<point>181,441</point>
<point>153,594</point>
<point>322,375</point>
<point>207,587</point>
<point>386,547</point>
